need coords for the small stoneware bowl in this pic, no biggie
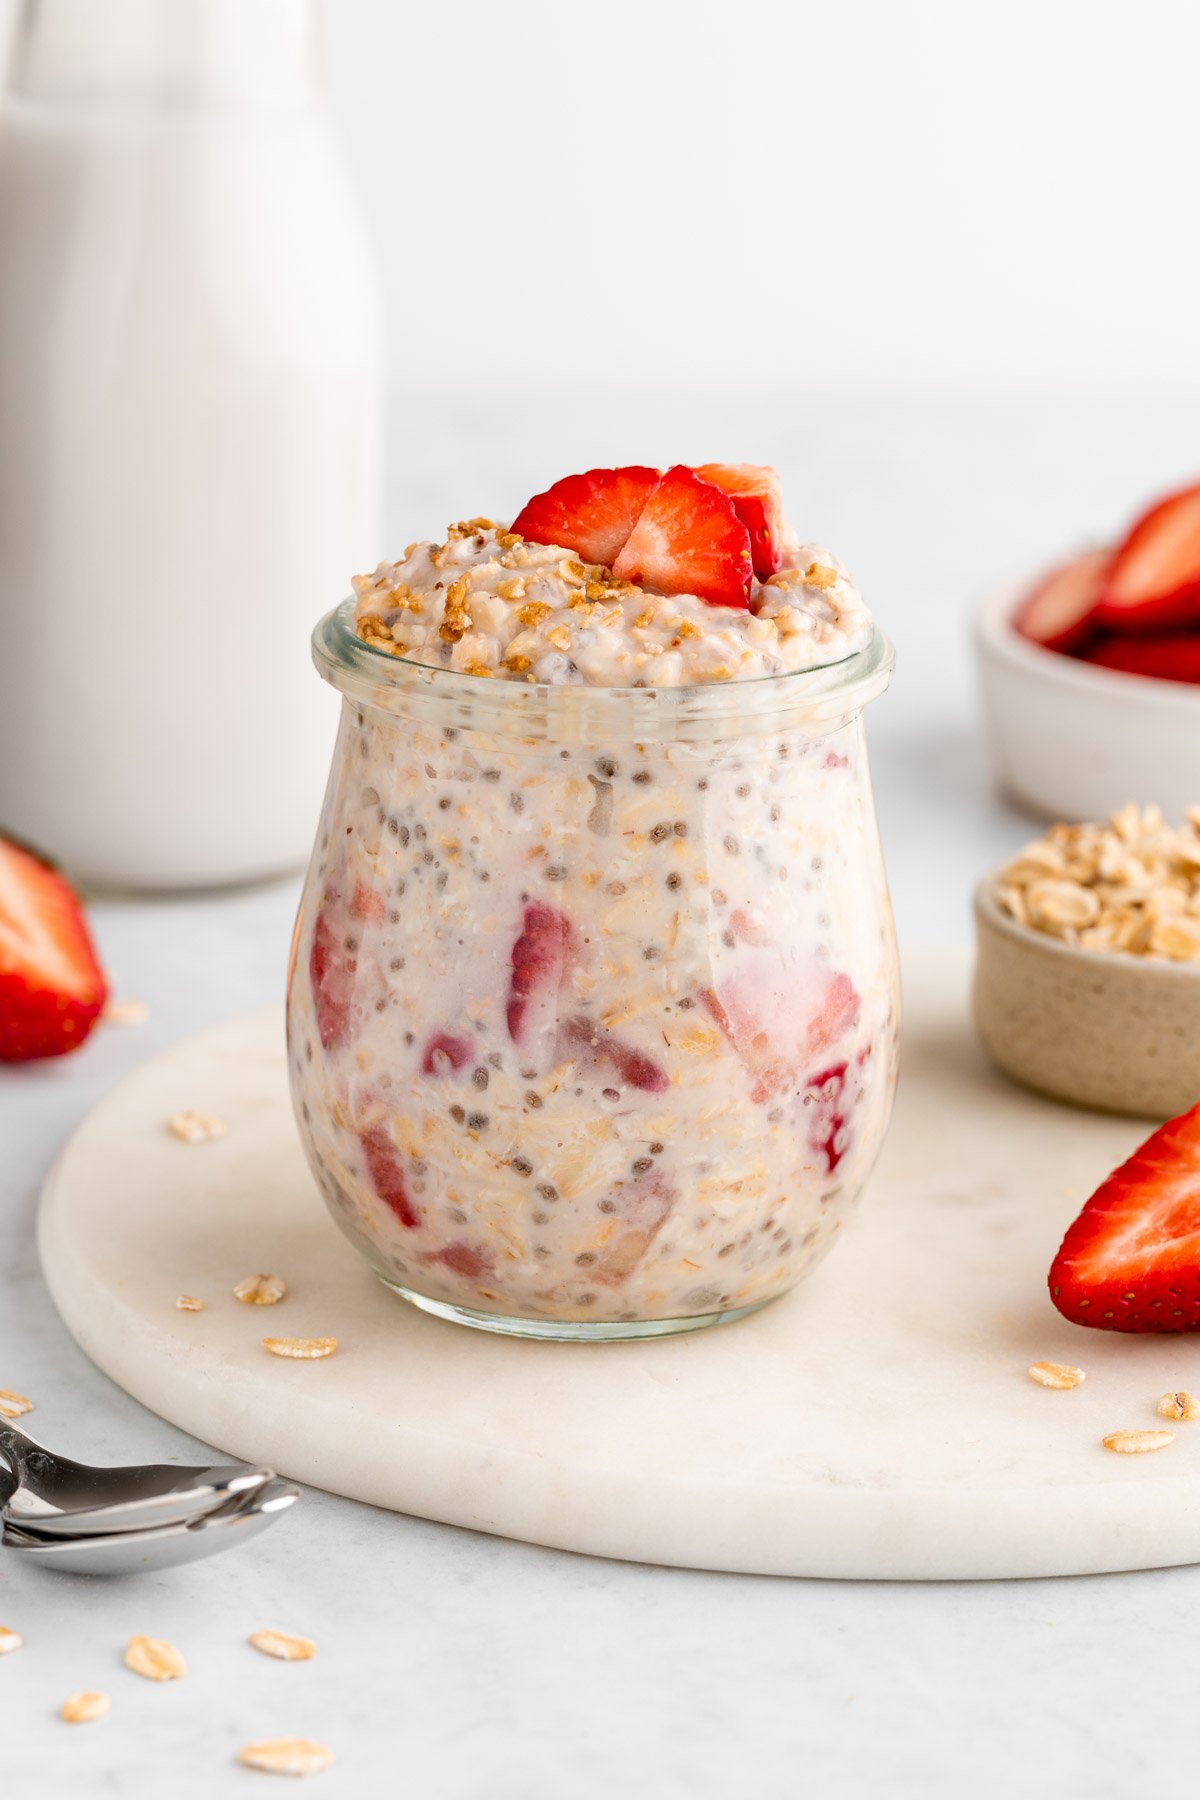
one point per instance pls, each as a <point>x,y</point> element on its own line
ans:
<point>1094,1028</point>
<point>1072,741</point>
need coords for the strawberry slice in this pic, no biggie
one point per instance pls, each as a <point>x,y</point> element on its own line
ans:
<point>1175,658</point>
<point>592,514</point>
<point>1154,581</point>
<point>689,540</point>
<point>541,958</point>
<point>757,496</point>
<point>599,1051</point>
<point>387,1175</point>
<point>781,1017</point>
<point>1058,614</point>
<point>51,986</point>
<point>643,1210</point>
<point>1131,1260</point>
<point>446,1055</point>
<point>331,973</point>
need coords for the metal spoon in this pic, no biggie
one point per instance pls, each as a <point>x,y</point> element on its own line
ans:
<point>135,1552</point>
<point>51,1494</point>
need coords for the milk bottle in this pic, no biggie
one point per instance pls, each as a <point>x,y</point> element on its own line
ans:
<point>189,434</point>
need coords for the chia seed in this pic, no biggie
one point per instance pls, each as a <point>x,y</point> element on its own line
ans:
<point>477,1121</point>
<point>643,777</point>
<point>457,1114</point>
<point>522,1165</point>
<point>480,1078</point>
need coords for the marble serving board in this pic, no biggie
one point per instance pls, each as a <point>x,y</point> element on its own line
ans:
<point>877,1423</point>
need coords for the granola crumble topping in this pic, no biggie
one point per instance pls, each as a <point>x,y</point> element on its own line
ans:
<point>488,603</point>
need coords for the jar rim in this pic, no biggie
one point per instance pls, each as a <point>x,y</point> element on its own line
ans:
<point>375,677</point>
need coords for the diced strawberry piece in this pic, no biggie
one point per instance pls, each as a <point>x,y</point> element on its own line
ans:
<point>642,1210</point>
<point>1059,613</point>
<point>599,1049</point>
<point>592,514</point>
<point>827,1093</point>
<point>367,904</point>
<point>1175,658</point>
<point>836,1015</point>
<point>689,540</point>
<point>541,958</point>
<point>1154,580</point>
<point>331,972</point>
<point>757,497</point>
<point>781,1016</point>
<point>52,989</point>
<point>387,1175</point>
<point>1131,1260</point>
<point>446,1055</point>
<point>465,1260</point>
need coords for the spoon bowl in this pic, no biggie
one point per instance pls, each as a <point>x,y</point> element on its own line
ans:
<point>160,1547</point>
<point>52,1495</point>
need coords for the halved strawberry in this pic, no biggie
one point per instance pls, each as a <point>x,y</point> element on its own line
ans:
<point>689,540</point>
<point>592,514</point>
<point>1131,1260</point>
<point>1154,580</point>
<point>757,496</point>
<point>1174,658</point>
<point>1058,614</point>
<point>52,988</point>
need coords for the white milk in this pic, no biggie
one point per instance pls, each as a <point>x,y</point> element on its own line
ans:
<point>189,430</point>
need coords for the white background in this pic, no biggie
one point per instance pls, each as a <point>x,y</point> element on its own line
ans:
<point>778,195</point>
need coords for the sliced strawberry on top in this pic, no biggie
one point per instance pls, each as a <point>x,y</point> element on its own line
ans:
<point>52,989</point>
<point>757,496</point>
<point>1171,658</point>
<point>1058,614</point>
<point>1154,580</point>
<point>689,540</point>
<point>592,514</point>
<point>1131,1260</point>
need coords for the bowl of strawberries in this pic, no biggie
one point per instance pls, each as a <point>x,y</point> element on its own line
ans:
<point>1091,672</point>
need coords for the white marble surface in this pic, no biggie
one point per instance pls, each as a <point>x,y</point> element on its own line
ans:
<point>806,1441</point>
<point>471,1665</point>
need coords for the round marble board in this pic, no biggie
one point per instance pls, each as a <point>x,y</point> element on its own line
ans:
<point>877,1423</point>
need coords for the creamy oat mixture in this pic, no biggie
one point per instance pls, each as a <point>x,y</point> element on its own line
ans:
<point>594,1034</point>
<point>488,603</point>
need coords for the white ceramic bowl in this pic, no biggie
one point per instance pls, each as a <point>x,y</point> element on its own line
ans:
<point>1072,741</point>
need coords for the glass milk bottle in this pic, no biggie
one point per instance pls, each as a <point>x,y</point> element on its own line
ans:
<point>189,433</point>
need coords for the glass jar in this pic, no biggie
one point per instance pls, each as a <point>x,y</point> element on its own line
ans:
<point>593,1001</point>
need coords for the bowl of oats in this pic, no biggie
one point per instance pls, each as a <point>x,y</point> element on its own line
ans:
<point>1087,973</point>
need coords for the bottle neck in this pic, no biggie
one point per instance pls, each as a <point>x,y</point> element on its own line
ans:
<point>187,52</point>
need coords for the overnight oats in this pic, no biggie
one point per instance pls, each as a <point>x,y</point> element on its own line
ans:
<point>593,1006</point>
